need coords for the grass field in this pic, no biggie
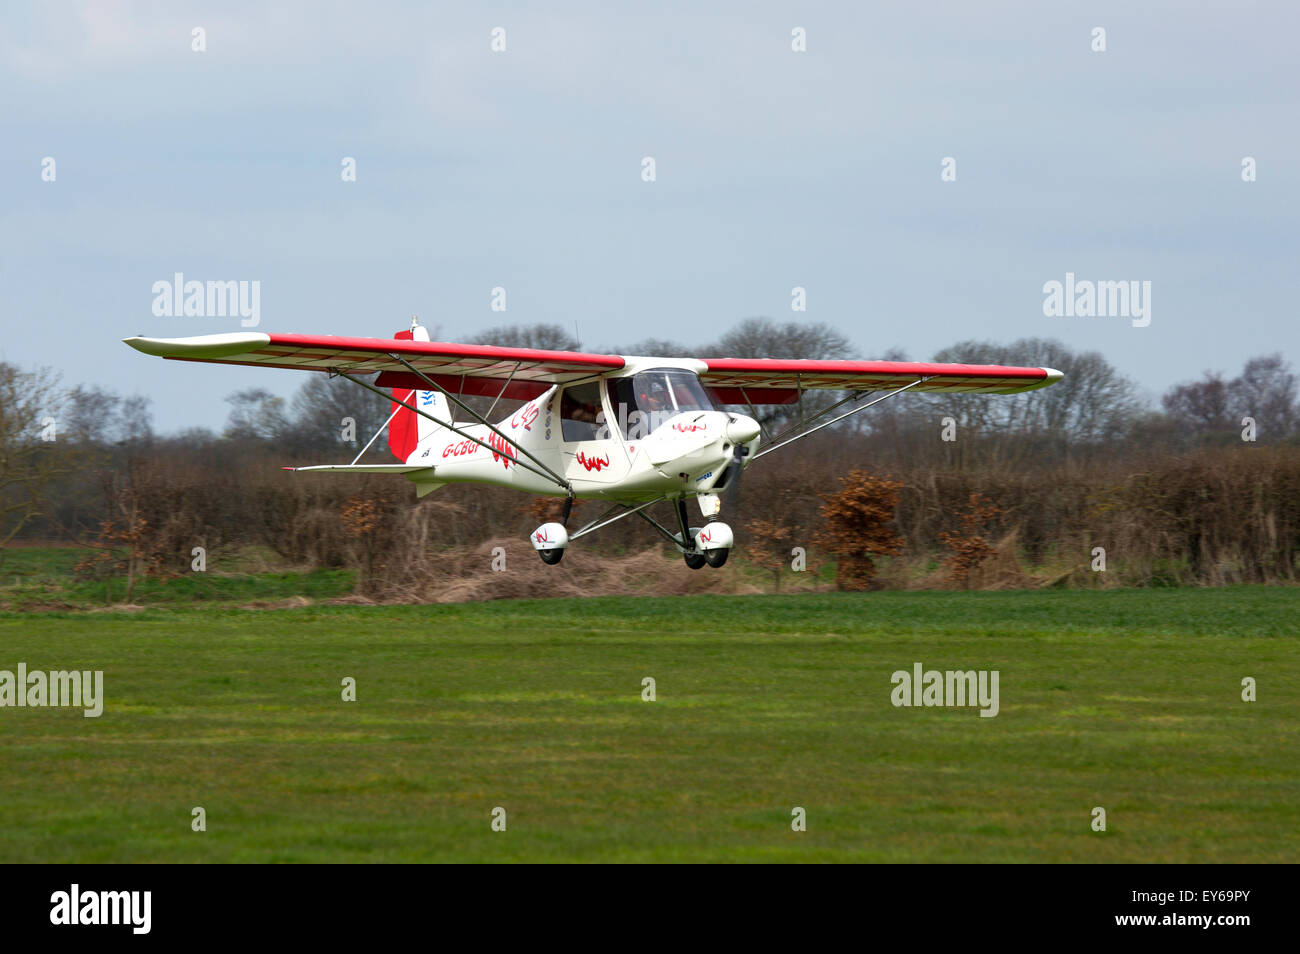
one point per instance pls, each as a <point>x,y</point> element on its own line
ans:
<point>1125,699</point>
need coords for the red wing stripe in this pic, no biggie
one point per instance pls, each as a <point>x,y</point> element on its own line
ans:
<point>366,355</point>
<point>447,350</point>
<point>755,374</point>
<point>889,369</point>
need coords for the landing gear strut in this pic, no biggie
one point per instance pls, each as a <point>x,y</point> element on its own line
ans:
<point>693,557</point>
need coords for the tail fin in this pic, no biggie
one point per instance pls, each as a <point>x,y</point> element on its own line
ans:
<point>407,429</point>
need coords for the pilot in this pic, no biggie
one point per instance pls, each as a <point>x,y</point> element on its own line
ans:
<point>654,404</point>
<point>655,400</point>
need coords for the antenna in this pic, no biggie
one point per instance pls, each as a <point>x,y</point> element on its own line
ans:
<point>415,322</point>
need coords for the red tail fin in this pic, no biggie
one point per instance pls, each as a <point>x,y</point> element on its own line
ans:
<point>403,429</point>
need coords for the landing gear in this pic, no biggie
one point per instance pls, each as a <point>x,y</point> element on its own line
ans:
<point>551,539</point>
<point>709,544</point>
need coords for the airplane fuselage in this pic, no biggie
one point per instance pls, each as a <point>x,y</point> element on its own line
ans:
<point>619,455</point>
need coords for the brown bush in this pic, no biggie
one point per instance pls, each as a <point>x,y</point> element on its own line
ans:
<point>969,548</point>
<point>857,526</point>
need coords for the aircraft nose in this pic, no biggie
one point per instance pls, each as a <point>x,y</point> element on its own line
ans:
<point>741,429</point>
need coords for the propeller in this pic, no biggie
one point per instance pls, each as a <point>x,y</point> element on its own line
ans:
<point>740,431</point>
<point>739,453</point>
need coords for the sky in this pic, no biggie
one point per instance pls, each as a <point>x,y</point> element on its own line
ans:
<point>523,169</point>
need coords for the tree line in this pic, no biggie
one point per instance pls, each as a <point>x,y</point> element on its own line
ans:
<point>1201,486</point>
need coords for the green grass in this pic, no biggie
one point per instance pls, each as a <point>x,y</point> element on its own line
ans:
<point>26,564</point>
<point>1125,699</point>
<point>43,578</point>
<point>219,588</point>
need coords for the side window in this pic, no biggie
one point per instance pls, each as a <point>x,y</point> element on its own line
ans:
<point>579,408</point>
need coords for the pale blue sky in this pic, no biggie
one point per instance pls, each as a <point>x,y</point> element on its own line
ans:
<point>522,169</point>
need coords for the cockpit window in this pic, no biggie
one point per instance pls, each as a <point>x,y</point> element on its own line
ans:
<point>644,401</point>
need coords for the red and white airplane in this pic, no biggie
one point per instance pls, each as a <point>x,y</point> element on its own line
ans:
<point>628,430</point>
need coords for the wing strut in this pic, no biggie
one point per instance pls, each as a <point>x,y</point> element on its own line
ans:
<point>604,520</point>
<point>853,396</point>
<point>483,420</point>
<point>563,484</point>
<point>378,432</point>
<point>860,407</point>
<point>754,413</point>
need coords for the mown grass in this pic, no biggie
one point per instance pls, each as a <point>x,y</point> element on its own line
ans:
<point>1125,699</point>
<point>43,578</point>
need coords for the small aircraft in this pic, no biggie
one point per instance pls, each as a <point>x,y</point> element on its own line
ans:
<point>628,430</point>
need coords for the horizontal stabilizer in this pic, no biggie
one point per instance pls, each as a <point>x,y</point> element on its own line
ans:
<point>366,468</point>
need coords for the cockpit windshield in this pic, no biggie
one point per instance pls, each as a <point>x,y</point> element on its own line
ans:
<point>645,400</point>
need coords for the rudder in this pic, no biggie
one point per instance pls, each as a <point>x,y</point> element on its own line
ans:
<point>407,429</point>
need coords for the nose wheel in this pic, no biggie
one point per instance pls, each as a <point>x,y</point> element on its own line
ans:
<point>709,544</point>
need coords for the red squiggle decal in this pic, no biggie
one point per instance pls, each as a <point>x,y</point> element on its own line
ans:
<point>690,428</point>
<point>502,449</point>
<point>592,463</point>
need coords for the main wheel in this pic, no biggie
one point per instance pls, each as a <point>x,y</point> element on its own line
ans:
<point>551,557</point>
<point>717,557</point>
<point>694,560</point>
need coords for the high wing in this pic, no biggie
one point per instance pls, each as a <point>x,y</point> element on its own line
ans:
<point>530,371</point>
<point>779,381</point>
<point>484,369</point>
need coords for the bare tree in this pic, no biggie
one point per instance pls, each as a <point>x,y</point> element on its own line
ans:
<point>765,338</point>
<point>1266,391</point>
<point>256,413</point>
<point>1091,404</point>
<point>658,347</point>
<point>323,406</point>
<point>1199,407</point>
<point>32,406</point>
<point>544,337</point>
<point>1214,406</point>
<point>95,416</point>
